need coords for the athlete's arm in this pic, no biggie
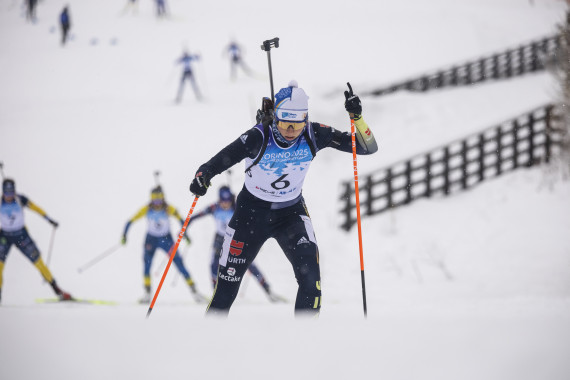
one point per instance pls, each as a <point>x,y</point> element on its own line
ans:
<point>208,211</point>
<point>327,137</point>
<point>142,212</point>
<point>247,145</point>
<point>34,207</point>
<point>172,211</point>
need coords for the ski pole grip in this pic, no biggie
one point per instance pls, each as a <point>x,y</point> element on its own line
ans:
<point>269,43</point>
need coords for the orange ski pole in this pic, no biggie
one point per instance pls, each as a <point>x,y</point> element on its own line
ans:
<point>352,130</point>
<point>172,254</point>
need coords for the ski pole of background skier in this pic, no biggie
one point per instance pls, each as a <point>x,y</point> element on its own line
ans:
<point>267,47</point>
<point>172,254</point>
<point>50,249</point>
<point>98,258</point>
<point>347,94</point>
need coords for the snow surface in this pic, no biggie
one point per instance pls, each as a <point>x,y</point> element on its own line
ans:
<point>474,286</point>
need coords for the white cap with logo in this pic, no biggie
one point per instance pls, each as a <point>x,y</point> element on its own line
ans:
<point>291,103</point>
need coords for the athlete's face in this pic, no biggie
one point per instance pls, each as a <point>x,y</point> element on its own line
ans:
<point>226,205</point>
<point>290,130</point>
<point>157,203</point>
<point>8,197</point>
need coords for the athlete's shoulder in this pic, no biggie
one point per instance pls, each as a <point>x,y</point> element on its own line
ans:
<point>22,199</point>
<point>252,139</point>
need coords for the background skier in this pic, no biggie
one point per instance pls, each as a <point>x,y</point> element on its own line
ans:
<point>158,235</point>
<point>65,24</point>
<point>187,75</point>
<point>13,232</point>
<point>234,51</point>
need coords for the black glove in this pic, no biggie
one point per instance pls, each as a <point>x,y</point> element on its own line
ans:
<point>52,222</point>
<point>200,183</point>
<point>352,102</point>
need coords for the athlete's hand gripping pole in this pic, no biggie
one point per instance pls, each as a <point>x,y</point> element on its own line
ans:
<point>172,254</point>
<point>267,47</point>
<point>349,94</point>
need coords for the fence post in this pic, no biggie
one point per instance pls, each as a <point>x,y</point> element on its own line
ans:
<point>453,79</point>
<point>428,175</point>
<point>521,66</point>
<point>439,79</point>
<point>424,84</point>
<point>509,64</point>
<point>347,225</point>
<point>496,66</point>
<point>531,121</point>
<point>369,195</point>
<point>464,174</point>
<point>516,128</point>
<point>499,151</point>
<point>533,57</point>
<point>469,73</point>
<point>408,182</point>
<point>446,170</point>
<point>547,131</point>
<point>389,188</point>
<point>481,146</point>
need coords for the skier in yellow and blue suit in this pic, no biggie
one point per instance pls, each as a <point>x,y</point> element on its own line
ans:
<point>159,236</point>
<point>13,232</point>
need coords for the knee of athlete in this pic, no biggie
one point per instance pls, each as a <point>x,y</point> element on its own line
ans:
<point>309,278</point>
<point>306,257</point>
<point>34,256</point>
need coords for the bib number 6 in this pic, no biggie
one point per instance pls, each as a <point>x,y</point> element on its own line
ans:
<point>280,183</point>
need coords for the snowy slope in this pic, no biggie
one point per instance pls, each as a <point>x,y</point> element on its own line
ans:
<point>475,286</point>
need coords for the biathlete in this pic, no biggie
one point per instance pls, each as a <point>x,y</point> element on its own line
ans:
<point>158,235</point>
<point>277,153</point>
<point>13,232</point>
<point>222,211</point>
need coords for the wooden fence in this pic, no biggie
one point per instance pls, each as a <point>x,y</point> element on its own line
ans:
<point>521,142</point>
<point>514,62</point>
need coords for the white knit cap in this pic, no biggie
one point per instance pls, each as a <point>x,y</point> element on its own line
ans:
<point>291,103</point>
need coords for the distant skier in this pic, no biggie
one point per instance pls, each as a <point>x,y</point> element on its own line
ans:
<point>65,24</point>
<point>158,235</point>
<point>234,51</point>
<point>277,155</point>
<point>187,74</point>
<point>222,211</point>
<point>31,10</point>
<point>132,5</point>
<point>160,8</point>
<point>13,232</point>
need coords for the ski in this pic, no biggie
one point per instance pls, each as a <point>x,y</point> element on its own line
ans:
<point>76,300</point>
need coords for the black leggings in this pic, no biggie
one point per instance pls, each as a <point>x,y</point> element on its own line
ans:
<point>253,222</point>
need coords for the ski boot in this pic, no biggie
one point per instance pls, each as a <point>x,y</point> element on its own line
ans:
<point>199,298</point>
<point>145,299</point>
<point>272,296</point>
<point>62,295</point>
